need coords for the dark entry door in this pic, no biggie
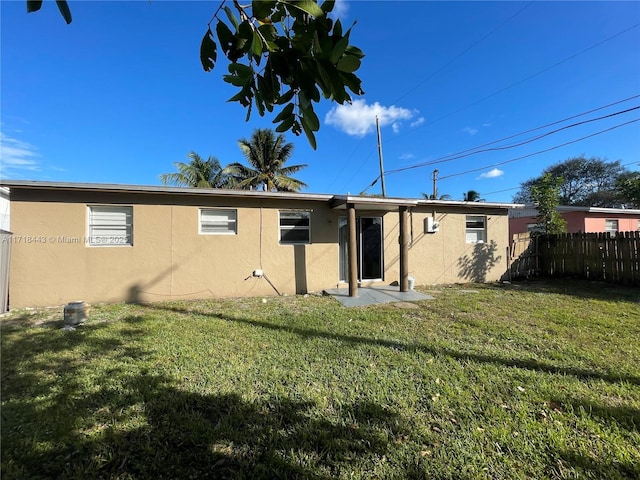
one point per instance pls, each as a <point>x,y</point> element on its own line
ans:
<point>369,248</point>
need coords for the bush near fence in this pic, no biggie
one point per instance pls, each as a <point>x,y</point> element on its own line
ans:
<point>595,256</point>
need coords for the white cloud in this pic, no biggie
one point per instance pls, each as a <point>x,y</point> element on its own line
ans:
<point>470,130</point>
<point>17,155</point>
<point>407,156</point>
<point>496,172</point>
<point>341,9</point>
<point>358,118</point>
<point>418,122</point>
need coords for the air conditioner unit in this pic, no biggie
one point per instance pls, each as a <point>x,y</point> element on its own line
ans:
<point>431,225</point>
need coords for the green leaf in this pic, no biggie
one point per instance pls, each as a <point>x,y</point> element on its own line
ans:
<point>268,32</point>
<point>285,97</point>
<point>307,6</point>
<point>256,44</point>
<point>64,10</point>
<point>324,81</point>
<point>339,49</point>
<point>235,80</point>
<point>348,64</point>
<point>327,6</point>
<point>286,111</point>
<point>262,8</point>
<point>303,101</point>
<point>311,138</point>
<point>240,69</point>
<point>232,18</point>
<point>310,119</point>
<point>286,124</point>
<point>225,36</point>
<point>259,103</point>
<point>355,51</point>
<point>245,37</point>
<point>208,53</point>
<point>353,82</point>
<point>238,97</point>
<point>337,29</point>
<point>33,5</point>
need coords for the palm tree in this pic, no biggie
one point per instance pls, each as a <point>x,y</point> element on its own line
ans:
<point>429,196</point>
<point>472,196</point>
<point>266,154</point>
<point>198,173</point>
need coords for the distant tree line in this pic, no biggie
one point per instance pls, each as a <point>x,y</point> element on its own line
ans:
<point>592,182</point>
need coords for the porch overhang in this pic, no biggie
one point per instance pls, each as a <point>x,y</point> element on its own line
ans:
<point>351,204</point>
<point>378,204</point>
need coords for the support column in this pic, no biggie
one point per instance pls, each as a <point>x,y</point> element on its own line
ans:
<point>352,252</point>
<point>404,248</point>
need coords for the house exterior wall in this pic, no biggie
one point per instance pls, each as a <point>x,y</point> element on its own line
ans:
<point>581,222</point>
<point>445,257</point>
<point>52,265</point>
<point>596,222</point>
<point>169,259</point>
<point>576,221</point>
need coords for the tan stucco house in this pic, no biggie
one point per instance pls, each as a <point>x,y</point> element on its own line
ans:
<point>114,243</point>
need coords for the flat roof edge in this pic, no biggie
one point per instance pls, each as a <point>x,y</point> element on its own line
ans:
<point>223,192</point>
<point>162,190</point>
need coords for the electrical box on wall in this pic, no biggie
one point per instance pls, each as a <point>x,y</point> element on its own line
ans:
<point>431,225</point>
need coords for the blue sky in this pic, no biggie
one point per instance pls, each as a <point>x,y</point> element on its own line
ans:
<point>119,95</point>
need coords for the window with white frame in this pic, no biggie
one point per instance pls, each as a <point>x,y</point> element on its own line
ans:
<point>476,229</point>
<point>110,225</point>
<point>295,226</point>
<point>611,226</point>
<point>218,221</point>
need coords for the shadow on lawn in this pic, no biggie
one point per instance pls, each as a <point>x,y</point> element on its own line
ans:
<point>529,364</point>
<point>560,461</point>
<point>132,423</point>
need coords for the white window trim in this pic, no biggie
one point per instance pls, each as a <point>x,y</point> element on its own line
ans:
<point>468,230</point>
<point>280,228</point>
<point>115,240</point>
<point>612,220</point>
<point>220,209</point>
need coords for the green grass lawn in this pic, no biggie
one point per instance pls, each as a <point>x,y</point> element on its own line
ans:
<point>534,380</point>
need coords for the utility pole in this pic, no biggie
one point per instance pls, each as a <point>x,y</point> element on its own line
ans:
<point>435,180</point>
<point>384,190</point>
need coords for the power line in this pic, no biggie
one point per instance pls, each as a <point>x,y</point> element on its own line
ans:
<point>472,149</point>
<point>476,150</point>
<point>541,151</point>
<point>501,191</point>
<point>566,59</point>
<point>473,45</point>
<point>540,72</point>
<point>515,145</point>
<point>464,51</point>
<point>518,158</point>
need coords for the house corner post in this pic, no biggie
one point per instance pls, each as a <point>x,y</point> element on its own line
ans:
<point>404,249</point>
<point>352,252</point>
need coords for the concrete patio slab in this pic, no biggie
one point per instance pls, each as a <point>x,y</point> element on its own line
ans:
<point>374,295</point>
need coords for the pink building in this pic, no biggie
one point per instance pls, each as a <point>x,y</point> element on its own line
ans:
<point>579,219</point>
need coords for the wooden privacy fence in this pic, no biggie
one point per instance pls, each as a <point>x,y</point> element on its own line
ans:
<point>595,256</point>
